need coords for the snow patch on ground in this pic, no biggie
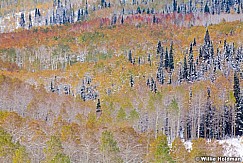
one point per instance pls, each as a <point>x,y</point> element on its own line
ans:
<point>233,147</point>
<point>188,145</point>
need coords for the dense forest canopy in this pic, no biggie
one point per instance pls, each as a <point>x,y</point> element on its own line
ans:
<point>119,81</point>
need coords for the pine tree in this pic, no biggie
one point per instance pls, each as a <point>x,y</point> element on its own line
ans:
<point>36,12</point>
<point>238,9</point>
<point>102,3</point>
<point>59,3</point>
<point>122,20</point>
<point>79,15</point>
<point>194,42</point>
<point>152,11</point>
<point>159,48</point>
<point>148,11</point>
<point>154,19</point>
<point>160,74</point>
<point>178,10</point>
<point>227,10</point>
<point>113,19</point>
<point>155,87</point>
<point>206,8</point>
<point>200,53</point>
<point>148,82</point>
<point>174,5</point>
<point>166,59</point>
<point>171,58</point>
<point>139,10</point>
<point>83,92</point>
<point>149,60</point>
<point>185,70</point>
<point>236,88</point>
<point>39,14</point>
<point>207,38</point>
<point>98,109</point>
<point>131,81</point>
<point>130,56</point>
<point>52,87</point>
<point>190,61</point>
<point>86,8</point>
<point>239,119</point>
<point>22,20</point>
<point>30,21</point>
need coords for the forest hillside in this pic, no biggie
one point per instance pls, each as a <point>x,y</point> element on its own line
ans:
<point>121,81</point>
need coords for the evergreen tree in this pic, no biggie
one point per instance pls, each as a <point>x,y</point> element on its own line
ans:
<point>148,82</point>
<point>155,87</point>
<point>52,87</point>
<point>152,11</point>
<point>211,51</point>
<point>194,75</point>
<point>207,38</point>
<point>152,84</point>
<point>149,60</point>
<point>102,3</point>
<point>200,53</point>
<point>86,8</point>
<point>130,56</point>
<point>159,48</point>
<point>131,81</point>
<point>154,19</point>
<point>206,8</point>
<point>83,92</point>
<point>98,109</point>
<point>194,42</point>
<point>36,12</point>
<point>227,10</point>
<point>171,58</point>
<point>98,106</point>
<point>160,74</point>
<point>30,21</point>
<point>122,20</point>
<point>59,3</point>
<point>238,9</point>
<point>148,11</point>
<point>39,14</point>
<point>236,88</point>
<point>185,70</point>
<point>113,19</point>
<point>22,20</point>
<point>79,15</point>
<point>139,61</point>
<point>239,119</point>
<point>174,5</point>
<point>190,61</point>
<point>178,10</point>
<point>139,10</point>
<point>166,59</point>
<point>133,2</point>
